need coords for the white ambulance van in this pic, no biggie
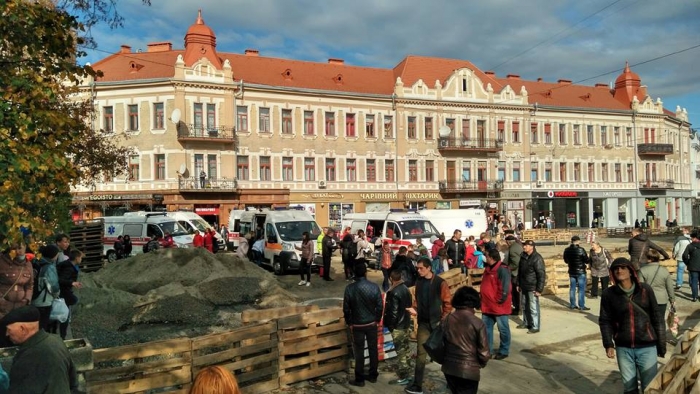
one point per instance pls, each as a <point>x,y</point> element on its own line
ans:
<point>471,221</point>
<point>282,230</point>
<point>234,229</point>
<point>140,227</point>
<point>190,221</point>
<point>399,227</point>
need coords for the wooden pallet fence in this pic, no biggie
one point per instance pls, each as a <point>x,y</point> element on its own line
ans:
<point>162,365</point>
<point>263,315</point>
<point>251,353</point>
<point>454,278</point>
<point>474,278</point>
<point>679,374</point>
<point>312,344</point>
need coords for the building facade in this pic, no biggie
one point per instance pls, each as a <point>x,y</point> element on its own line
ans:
<point>213,132</point>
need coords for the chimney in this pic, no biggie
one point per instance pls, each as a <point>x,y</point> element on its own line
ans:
<point>539,79</point>
<point>564,81</point>
<point>513,76</point>
<point>252,52</point>
<point>602,85</point>
<point>164,46</point>
<point>125,49</point>
<point>491,73</point>
<point>336,61</point>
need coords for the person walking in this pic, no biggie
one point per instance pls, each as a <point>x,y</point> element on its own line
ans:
<point>48,286</point>
<point>398,321</point>
<point>405,265</point>
<point>531,278</point>
<point>386,260</point>
<point>496,302</point>
<point>466,343</point>
<point>515,250</point>
<point>307,258</point>
<point>209,241</point>
<point>197,239</point>
<point>660,280</point>
<point>600,268</point>
<point>679,246</point>
<point>637,248</point>
<point>431,304</point>
<point>456,251</point>
<point>576,258</point>
<point>128,246</point>
<point>631,326</point>
<point>68,280</point>
<point>362,309</point>
<point>329,245</point>
<point>691,258</point>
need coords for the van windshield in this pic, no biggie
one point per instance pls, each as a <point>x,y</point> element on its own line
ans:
<point>293,231</point>
<point>200,224</point>
<point>174,228</point>
<point>413,229</point>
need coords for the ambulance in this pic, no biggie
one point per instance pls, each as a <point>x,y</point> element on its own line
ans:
<point>190,221</point>
<point>470,221</point>
<point>282,230</point>
<point>140,226</point>
<point>234,229</point>
<point>399,227</point>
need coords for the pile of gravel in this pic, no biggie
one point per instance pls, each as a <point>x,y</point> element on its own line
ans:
<point>171,293</point>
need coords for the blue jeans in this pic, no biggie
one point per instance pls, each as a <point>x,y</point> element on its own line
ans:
<point>694,275</point>
<point>577,281</point>
<point>531,309</point>
<point>679,273</point>
<point>503,330</point>
<point>630,360</point>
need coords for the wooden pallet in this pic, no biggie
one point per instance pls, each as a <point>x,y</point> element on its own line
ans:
<point>263,315</point>
<point>679,374</point>
<point>312,344</point>
<point>162,365</point>
<point>475,276</point>
<point>251,353</point>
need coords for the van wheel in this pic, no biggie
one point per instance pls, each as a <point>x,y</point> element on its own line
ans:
<point>111,256</point>
<point>278,267</point>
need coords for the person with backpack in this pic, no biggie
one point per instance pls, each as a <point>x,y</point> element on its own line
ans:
<point>405,265</point>
<point>46,284</point>
<point>679,246</point>
<point>348,254</point>
<point>691,258</point>
<point>477,259</point>
<point>68,280</point>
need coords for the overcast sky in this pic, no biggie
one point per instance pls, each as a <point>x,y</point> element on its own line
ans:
<point>585,41</point>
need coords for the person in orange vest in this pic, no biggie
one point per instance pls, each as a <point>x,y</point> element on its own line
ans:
<point>209,240</point>
<point>198,240</point>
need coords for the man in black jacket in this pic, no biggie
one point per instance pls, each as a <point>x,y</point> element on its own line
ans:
<point>576,258</point>
<point>631,326</point>
<point>637,248</point>
<point>398,321</point>
<point>691,258</point>
<point>405,265</point>
<point>456,250</point>
<point>531,278</point>
<point>362,309</point>
<point>328,245</point>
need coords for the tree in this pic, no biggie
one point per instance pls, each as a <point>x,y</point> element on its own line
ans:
<point>46,141</point>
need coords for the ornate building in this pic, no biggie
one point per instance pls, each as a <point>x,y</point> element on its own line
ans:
<point>219,131</point>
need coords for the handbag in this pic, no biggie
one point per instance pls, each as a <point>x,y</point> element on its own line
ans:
<point>435,345</point>
<point>59,310</point>
<point>672,320</point>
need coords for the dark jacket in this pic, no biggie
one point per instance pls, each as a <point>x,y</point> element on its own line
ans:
<point>466,344</point>
<point>127,248</point>
<point>456,251</point>
<point>43,365</point>
<point>637,248</point>
<point>398,298</point>
<point>531,273</point>
<point>439,300</point>
<point>631,322</point>
<point>16,283</point>
<point>67,274</point>
<point>362,303</point>
<point>513,257</point>
<point>328,245</point>
<point>408,270</point>
<point>691,256</point>
<point>576,258</point>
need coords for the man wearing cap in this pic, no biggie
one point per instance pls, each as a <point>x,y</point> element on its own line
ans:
<point>42,363</point>
<point>631,326</point>
<point>531,278</point>
<point>515,250</point>
<point>576,258</point>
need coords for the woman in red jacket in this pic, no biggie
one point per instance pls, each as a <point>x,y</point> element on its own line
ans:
<point>198,240</point>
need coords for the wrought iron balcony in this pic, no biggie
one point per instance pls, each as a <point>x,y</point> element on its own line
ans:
<point>655,149</point>
<point>193,133</point>
<point>195,184</point>
<point>470,186</point>
<point>470,144</point>
<point>667,184</point>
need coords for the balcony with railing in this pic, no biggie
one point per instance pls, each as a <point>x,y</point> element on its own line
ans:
<point>655,149</point>
<point>195,133</point>
<point>470,186</point>
<point>663,184</point>
<point>469,144</point>
<point>203,185</point>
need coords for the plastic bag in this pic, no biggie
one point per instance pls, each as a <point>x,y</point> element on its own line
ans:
<point>672,320</point>
<point>59,310</point>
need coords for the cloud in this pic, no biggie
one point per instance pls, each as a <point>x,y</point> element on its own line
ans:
<point>571,39</point>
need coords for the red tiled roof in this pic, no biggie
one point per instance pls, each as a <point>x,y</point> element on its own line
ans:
<point>429,69</point>
<point>566,94</point>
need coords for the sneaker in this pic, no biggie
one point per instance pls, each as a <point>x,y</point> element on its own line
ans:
<point>573,307</point>
<point>400,382</point>
<point>585,308</point>
<point>302,283</point>
<point>308,284</point>
<point>521,326</point>
<point>500,356</point>
<point>356,383</point>
<point>533,331</point>
<point>414,389</point>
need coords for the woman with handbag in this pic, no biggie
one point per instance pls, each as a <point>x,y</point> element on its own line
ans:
<point>307,258</point>
<point>466,345</point>
<point>47,288</point>
<point>600,268</point>
<point>68,280</point>
<point>16,280</point>
<point>660,280</point>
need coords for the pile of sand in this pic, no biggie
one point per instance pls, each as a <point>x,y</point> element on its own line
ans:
<point>171,293</point>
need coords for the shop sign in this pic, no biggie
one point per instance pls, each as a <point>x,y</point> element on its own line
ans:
<point>324,196</point>
<point>112,197</point>
<point>206,211</point>
<point>469,203</point>
<point>514,205</point>
<point>443,205</point>
<point>562,194</point>
<point>422,196</point>
<point>379,196</point>
<point>649,204</point>
<point>493,205</point>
